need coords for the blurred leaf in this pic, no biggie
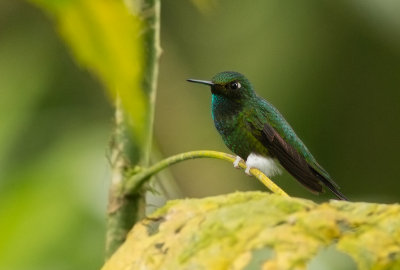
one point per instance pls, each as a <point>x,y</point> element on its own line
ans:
<point>22,86</point>
<point>205,5</point>
<point>384,11</point>
<point>105,38</point>
<point>51,217</point>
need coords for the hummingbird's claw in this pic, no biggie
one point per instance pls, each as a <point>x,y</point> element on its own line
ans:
<point>236,162</point>
<point>247,171</point>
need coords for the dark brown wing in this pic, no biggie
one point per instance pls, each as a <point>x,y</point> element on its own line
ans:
<point>290,159</point>
<point>295,164</point>
<point>291,152</point>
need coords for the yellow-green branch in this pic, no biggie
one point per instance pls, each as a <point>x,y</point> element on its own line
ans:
<point>133,184</point>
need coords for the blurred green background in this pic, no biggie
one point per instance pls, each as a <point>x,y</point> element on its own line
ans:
<point>331,67</point>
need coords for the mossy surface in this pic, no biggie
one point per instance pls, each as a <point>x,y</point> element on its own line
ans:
<point>255,230</point>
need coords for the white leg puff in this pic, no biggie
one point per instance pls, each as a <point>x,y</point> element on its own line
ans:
<point>265,164</point>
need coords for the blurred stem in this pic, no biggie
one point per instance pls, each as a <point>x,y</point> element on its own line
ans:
<point>133,184</point>
<point>124,209</point>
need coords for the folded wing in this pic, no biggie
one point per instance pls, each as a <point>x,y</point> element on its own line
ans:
<point>307,174</point>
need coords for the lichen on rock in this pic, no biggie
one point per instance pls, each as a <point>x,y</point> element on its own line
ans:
<point>257,230</point>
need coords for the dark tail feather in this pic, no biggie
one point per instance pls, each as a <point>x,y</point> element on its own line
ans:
<point>332,188</point>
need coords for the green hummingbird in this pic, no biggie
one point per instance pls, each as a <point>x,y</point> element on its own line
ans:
<point>256,132</point>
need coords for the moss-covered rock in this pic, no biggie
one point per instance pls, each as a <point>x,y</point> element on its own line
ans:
<point>255,230</point>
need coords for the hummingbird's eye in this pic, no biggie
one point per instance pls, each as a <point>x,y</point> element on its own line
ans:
<point>234,85</point>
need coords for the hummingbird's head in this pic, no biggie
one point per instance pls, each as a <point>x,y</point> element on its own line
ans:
<point>229,84</point>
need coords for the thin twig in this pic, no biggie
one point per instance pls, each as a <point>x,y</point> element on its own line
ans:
<point>134,183</point>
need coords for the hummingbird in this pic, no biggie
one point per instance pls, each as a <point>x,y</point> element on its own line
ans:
<point>257,133</point>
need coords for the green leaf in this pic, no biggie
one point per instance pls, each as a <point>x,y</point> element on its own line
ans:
<point>106,38</point>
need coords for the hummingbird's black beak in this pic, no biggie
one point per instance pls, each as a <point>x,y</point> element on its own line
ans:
<point>200,81</point>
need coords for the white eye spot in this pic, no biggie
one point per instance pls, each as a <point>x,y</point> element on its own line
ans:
<point>235,85</point>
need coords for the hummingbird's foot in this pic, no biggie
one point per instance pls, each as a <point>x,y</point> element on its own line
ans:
<point>236,162</point>
<point>247,171</point>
